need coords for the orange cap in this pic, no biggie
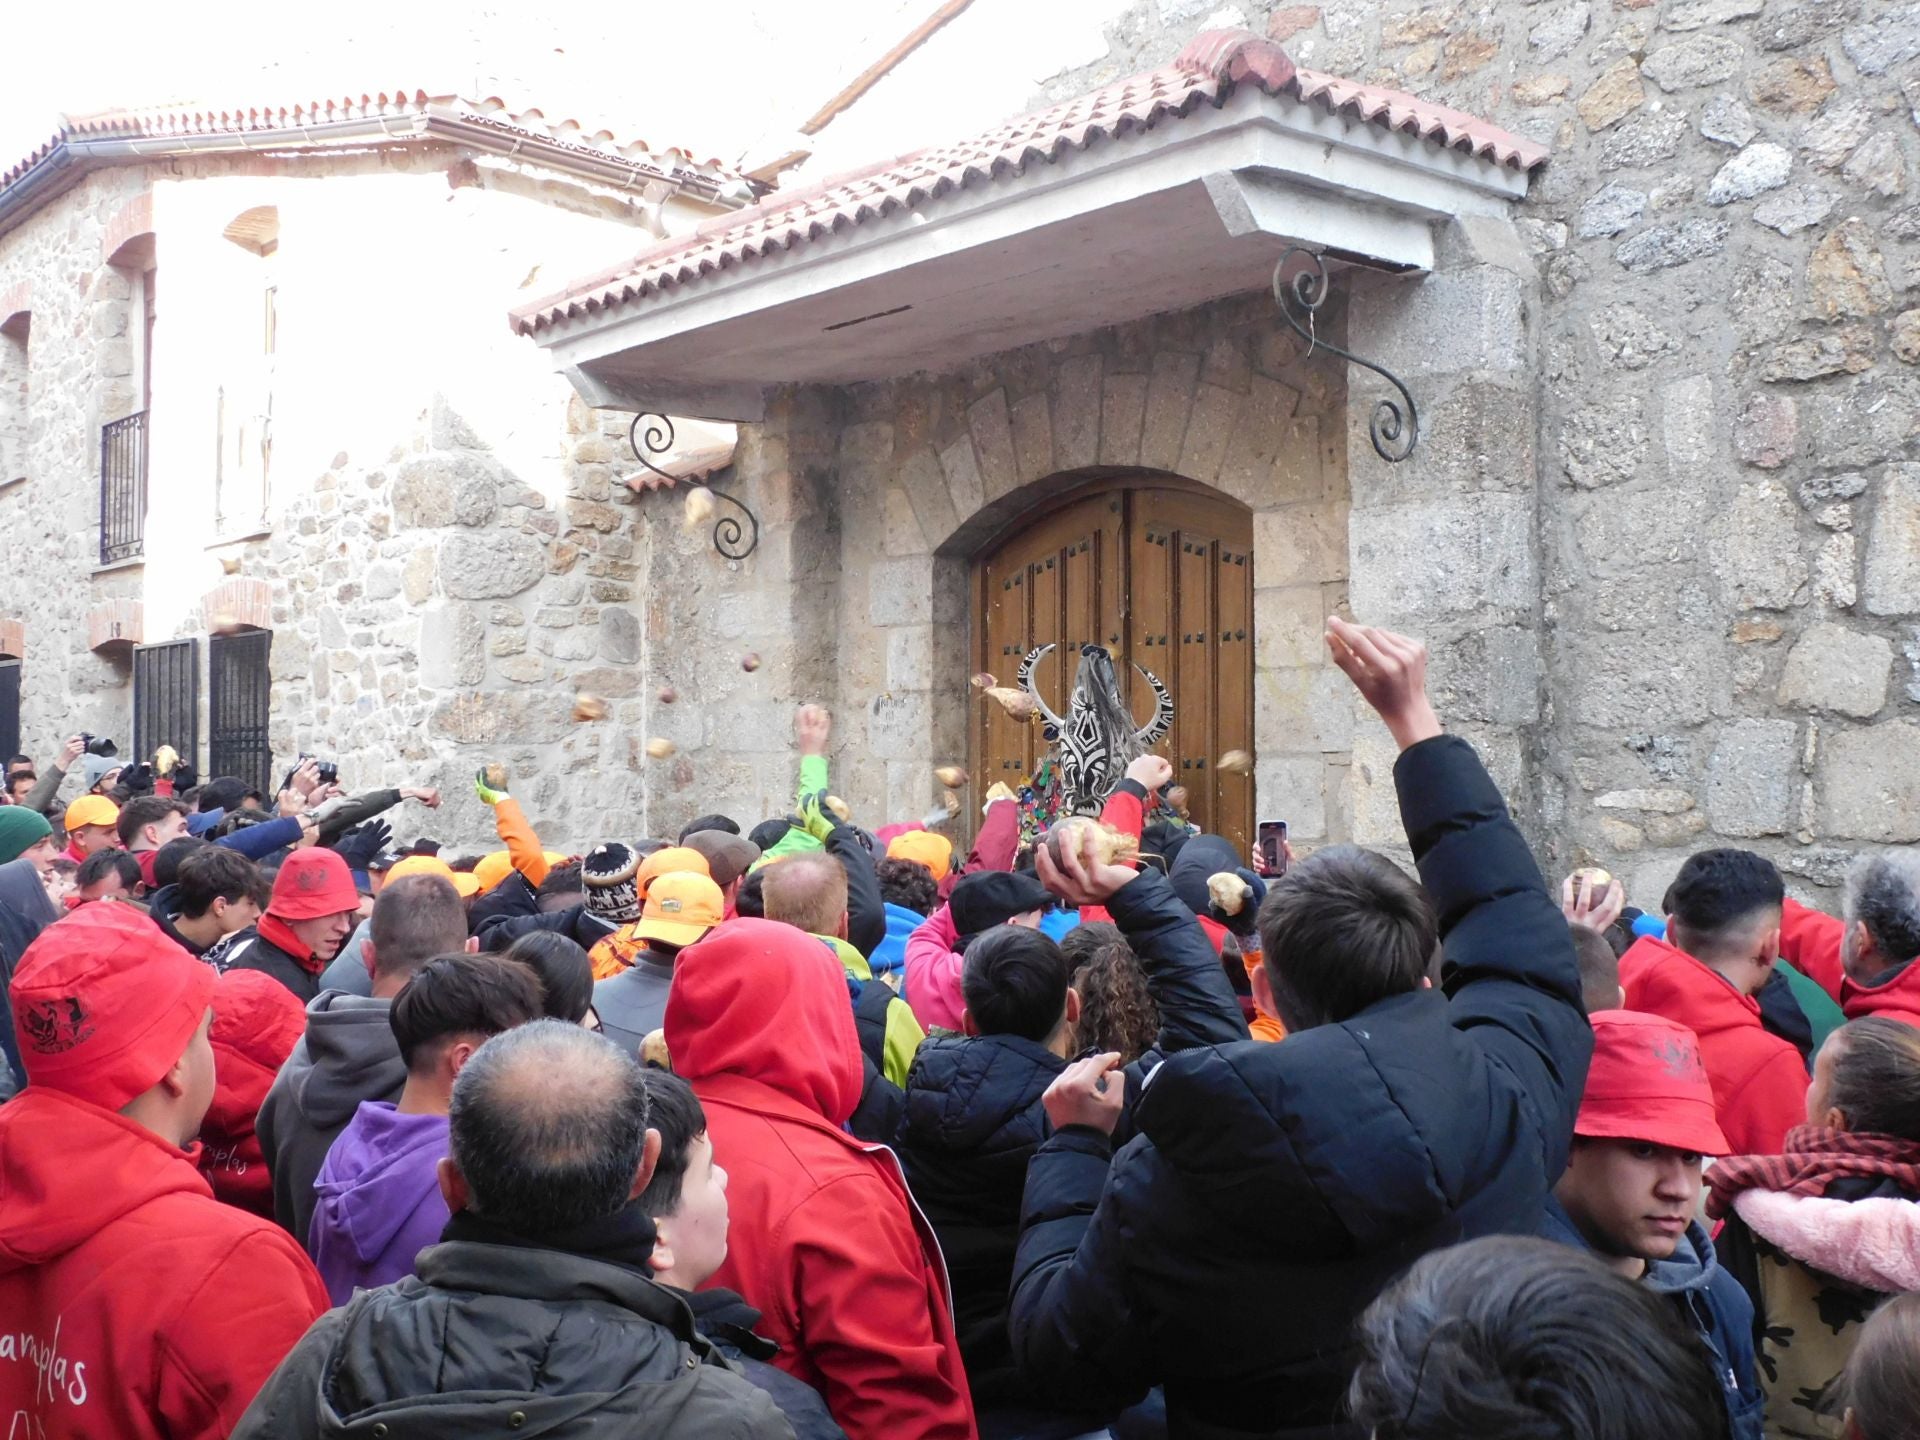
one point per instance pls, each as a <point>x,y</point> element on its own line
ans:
<point>680,908</point>
<point>926,848</point>
<point>464,884</point>
<point>671,860</point>
<point>90,810</point>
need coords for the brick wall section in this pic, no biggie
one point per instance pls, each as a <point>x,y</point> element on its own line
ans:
<point>131,221</point>
<point>238,604</point>
<point>116,622</point>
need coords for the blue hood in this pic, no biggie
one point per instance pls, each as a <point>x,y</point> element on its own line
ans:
<point>891,953</point>
<point>1692,1265</point>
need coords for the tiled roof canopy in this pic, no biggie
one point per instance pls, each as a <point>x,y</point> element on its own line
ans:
<point>371,119</point>
<point>1206,73</point>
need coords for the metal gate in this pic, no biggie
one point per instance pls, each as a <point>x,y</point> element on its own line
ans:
<point>9,709</point>
<point>166,700</point>
<point>240,699</point>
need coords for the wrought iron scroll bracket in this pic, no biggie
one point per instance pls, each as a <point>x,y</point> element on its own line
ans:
<point>1394,431</point>
<point>732,538</point>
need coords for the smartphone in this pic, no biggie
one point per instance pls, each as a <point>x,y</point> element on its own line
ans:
<point>1272,844</point>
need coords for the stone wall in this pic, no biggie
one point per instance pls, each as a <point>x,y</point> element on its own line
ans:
<point>1725,505</point>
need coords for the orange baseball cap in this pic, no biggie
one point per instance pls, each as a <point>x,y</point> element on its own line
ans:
<point>90,810</point>
<point>671,860</point>
<point>923,847</point>
<point>680,908</point>
<point>465,885</point>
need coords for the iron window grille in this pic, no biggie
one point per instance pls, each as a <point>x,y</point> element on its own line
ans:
<point>123,489</point>
<point>9,708</point>
<point>239,706</point>
<point>166,699</point>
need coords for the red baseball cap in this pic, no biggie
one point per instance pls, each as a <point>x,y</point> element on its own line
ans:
<point>1647,1083</point>
<point>312,883</point>
<point>104,1004</point>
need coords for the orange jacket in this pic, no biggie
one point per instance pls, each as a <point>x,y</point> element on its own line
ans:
<point>523,846</point>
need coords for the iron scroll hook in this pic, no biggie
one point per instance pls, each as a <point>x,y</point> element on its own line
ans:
<point>731,538</point>
<point>1394,431</point>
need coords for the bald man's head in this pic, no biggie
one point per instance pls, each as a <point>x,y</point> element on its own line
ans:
<point>548,1128</point>
<point>808,892</point>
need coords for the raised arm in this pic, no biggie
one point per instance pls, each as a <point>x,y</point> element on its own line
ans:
<point>1510,969</point>
<point>523,846</point>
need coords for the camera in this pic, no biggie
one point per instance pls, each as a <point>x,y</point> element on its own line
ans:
<point>100,746</point>
<point>328,770</point>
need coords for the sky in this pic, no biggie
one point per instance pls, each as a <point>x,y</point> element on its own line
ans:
<point>753,68</point>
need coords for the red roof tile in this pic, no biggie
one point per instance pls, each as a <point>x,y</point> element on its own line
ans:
<point>1206,72</point>
<point>402,106</point>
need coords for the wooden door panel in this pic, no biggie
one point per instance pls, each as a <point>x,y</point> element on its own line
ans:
<point>1161,577</point>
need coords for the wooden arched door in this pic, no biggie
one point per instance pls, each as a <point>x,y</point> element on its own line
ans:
<point>1161,576</point>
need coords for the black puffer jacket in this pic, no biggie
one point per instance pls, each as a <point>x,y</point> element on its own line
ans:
<point>1274,1190</point>
<point>497,1340</point>
<point>974,1119</point>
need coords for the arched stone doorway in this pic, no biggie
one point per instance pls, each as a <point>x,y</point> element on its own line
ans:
<point>1159,571</point>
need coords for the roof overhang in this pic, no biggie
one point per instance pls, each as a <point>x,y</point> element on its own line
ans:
<point>1149,221</point>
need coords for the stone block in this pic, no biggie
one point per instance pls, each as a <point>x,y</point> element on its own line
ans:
<point>1622,679</point>
<point>1698,14</point>
<point>1644,139</point>
<point>489,565</point>
<point>1259,436</point>
<point>1123,407</point>
<point>1169,397</point>
<point>1846,276</point>
<point>1612,209</point>
<point>1032,422</point>
<point>904,536</point>
<point>1725,121</point>
<point>910,658</point>
<point>926,486</point>
<point>900,592</point>
<point>1614,96</point>
<point>1891,37</point>
<point>1767,430</point>
<point>1833,668</point>
<point>1604,443</point>
<point>1653,802</point>
<point>1293,788</point>
<point>958,464</point>
<point>1559,30</point>
<point>1869,783</point>
<point>1847,350</point>
<point>1210,428</point>
<point>992,431</point>
<point>1892,579</point>
<point>1751,778</point>
<point>1464,320</point>
<point>619,636</point>
<point>1665,246</point>
<point>1627,338</point>
<point>1756,549</point>
<point>1300,544</point>
<point>900,725</point>
<point>1791,86</point>
<point>452,654</point>
<point>1289,627</point>
<point>1487,540</point>
<point>1697,60</point>
<point>1834,568</point>
<point>1756,169</point>
<point>1076,399</point>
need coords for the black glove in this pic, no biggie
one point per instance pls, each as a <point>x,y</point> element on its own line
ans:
<point>359,845</point>
<point>185,777</point>
<point>138,779</point>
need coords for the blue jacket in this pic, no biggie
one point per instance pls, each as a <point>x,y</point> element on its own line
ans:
<point>1280,1188</point>
<point>1711,1301</point>
<point>891,953</point>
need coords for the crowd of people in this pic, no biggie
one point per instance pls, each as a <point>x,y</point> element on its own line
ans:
<point>801,1128</point>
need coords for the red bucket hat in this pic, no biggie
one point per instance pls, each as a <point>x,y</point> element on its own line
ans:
<point>313,883</point>
<point>1647,1083</point>
<point>104,1004</point>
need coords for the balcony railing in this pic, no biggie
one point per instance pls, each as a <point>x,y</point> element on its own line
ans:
<point>123,489</point>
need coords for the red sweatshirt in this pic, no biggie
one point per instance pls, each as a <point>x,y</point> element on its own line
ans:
<point>1810,942</point>
<point>826,1241</point>
<point>256,1023</point>
<point>1759,1080</point>
<point>132,1303</point>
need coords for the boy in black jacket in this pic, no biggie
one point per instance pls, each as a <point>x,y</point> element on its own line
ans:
<point>1274,1190</point>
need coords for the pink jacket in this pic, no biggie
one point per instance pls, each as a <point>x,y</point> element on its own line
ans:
<point>933,973</point>
<point>1874,1244</point>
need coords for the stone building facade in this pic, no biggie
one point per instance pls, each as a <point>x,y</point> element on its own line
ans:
<point>345,456</point>
<point>1662,531</point>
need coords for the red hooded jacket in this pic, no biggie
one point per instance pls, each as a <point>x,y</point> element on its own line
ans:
<point>256,1023</point>
<point>1810,942</point>
<point>132,1304</point>
<point>826,1241</point>
<point>1759,1080</point>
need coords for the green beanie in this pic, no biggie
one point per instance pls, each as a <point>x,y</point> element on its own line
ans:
<point>20,830</point>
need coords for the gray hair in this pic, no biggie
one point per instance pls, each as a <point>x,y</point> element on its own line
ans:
<point>547,1125</point>
<point>1883,893</point>
<point>414,919</point>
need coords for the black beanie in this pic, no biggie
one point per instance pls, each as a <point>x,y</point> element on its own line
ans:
<point>992,897</point>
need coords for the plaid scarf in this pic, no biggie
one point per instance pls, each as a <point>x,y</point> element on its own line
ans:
<point>1814,1158</point>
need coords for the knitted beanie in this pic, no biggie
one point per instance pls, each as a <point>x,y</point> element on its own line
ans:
<point>20,830</point>
<point>608,873</point>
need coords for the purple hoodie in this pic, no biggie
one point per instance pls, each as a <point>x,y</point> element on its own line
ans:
<point>379,1199</point>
